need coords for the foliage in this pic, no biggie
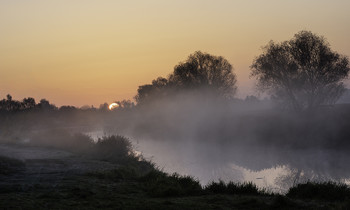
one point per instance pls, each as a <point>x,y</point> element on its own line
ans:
<point>159,88</point>
<point>113,148</point>
<point>301,73</point>
<point>10,105</point>
<point>201,71</point>
<point>328,191</point>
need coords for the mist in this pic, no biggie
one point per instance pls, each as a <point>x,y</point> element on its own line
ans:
<point>190,122</point>
<point>209,138</point>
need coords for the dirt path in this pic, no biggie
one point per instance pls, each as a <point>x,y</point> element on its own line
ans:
<point>47,166</point>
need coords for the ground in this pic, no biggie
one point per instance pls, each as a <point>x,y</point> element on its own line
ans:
<point>48,178</point>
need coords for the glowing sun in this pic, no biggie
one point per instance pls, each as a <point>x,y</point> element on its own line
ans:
<point>113,106</point>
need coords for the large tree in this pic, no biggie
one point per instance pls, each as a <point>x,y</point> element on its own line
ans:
<point>303,72</point>
<point>201,71</point>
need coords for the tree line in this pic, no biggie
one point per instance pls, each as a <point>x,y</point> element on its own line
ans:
<point>299,74</point>
<point>29,104</point>
<point>9,105</point>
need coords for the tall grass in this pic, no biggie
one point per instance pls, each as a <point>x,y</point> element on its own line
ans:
<point>246,188</point>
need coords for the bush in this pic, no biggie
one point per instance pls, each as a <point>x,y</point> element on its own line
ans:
<point>114,148</point>
<point>328,191</point>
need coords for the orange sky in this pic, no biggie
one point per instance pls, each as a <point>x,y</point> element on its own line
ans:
<point>87,52</point>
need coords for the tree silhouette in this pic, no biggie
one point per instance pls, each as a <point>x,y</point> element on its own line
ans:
<point>126,104</point>
<point>28,103</point>
<point>201,71</point>
<point>158,88</point>
<point>9,104</point>
<point>45,105</point>
<point>303,72</point>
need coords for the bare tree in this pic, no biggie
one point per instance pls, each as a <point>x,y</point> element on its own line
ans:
<point>303,72</point>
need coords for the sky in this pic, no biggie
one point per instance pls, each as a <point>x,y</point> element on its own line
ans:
<point>87,52</point>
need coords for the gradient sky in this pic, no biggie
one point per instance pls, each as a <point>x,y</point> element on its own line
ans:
<point>87,52</point>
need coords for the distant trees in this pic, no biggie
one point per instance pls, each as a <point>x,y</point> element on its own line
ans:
<point>126,104</point>
<point>10,105</point>
<point>122,105</point>
<point>200,71</point>
<point>28,103</point>
<point>303,72</point>
<point>45,105</point>
<point>67,108</point>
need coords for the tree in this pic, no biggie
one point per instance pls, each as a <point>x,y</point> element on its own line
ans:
<point>202,70</point>
<point>126,104</point>
<point>28,103</point>
<point>45,105</point>
<point>9,104</point>
<point>104,107</point>
<point>302,73</point>
<point>157,88</point>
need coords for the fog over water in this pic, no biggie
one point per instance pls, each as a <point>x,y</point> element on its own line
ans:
<point>209,138</point>
<point>212,139</point>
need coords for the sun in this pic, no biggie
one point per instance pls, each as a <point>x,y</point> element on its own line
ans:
<point>113,106</point>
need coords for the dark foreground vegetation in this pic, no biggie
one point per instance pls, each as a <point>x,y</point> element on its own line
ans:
<point>135,183</point>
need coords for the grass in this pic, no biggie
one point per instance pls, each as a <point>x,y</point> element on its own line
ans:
<point>159,184</point>
<point>136,183</point>
<point>232,188</point>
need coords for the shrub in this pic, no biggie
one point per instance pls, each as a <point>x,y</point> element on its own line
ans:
<point>328,191</point>
<point>114,148</point>
<point>217,187</point>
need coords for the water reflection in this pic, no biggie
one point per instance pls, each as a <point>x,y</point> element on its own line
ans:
<point>274,169</point>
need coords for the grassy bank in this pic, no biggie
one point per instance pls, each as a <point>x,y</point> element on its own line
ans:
<point>135,183</point>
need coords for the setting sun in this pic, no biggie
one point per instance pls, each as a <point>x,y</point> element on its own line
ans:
<point>113,106</point>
